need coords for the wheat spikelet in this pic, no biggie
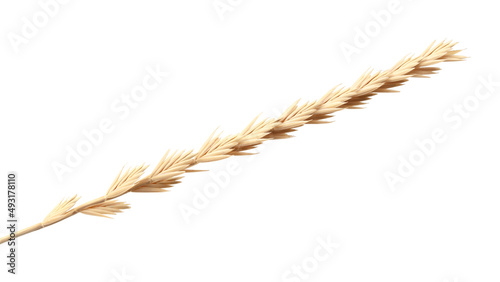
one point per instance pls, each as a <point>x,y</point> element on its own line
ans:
<point>60,210</point>
<point>171,168</point>
<point>125,181</point>
<point>106,208</point>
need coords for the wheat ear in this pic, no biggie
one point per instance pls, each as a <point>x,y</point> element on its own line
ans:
<point>172,166</point>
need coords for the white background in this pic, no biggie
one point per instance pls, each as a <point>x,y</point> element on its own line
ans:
<point>441,224</point>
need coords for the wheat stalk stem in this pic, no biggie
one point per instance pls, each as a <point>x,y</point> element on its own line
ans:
<point>173,166</point>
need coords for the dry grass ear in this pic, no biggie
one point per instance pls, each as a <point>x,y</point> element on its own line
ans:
<point>124,181</point>
<point>217,148</point>
<point>63,207</point>
<point>106,208</point>
<point>172,167</point>
<point>167,173</point>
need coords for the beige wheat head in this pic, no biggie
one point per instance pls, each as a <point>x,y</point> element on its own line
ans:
<point>174,165</point>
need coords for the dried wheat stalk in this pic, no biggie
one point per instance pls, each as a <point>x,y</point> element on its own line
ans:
<point>172,166</point>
